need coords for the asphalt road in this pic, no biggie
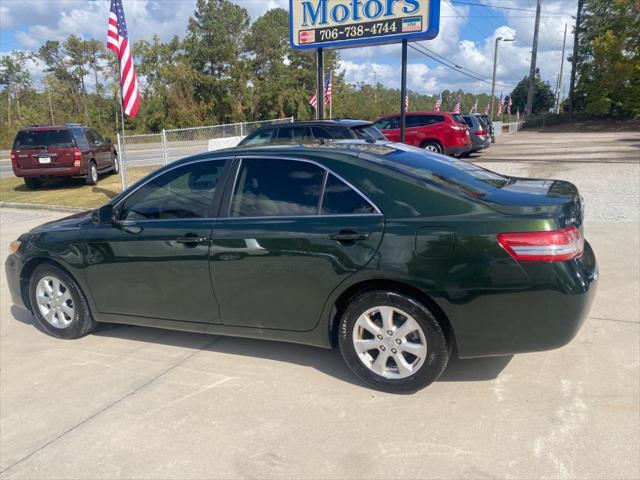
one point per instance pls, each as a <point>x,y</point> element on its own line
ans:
<point>130,402</point>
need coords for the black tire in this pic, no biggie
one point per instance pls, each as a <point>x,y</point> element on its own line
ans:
<point>115,169</point>
<point>432,146</point>
<point>92,174</point>
<point>32,182</point>
<point>437,354</point>
<point>81,324</point>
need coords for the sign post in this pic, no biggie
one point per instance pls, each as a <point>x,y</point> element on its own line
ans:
<point>333,24</point>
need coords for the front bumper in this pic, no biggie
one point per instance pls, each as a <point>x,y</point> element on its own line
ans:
<point>12,268</point>
<point>545,316</point>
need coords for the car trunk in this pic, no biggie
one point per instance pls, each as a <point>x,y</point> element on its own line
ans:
<point>526,196</point>
<point>44,149</point>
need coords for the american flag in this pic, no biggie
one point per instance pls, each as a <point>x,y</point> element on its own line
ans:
<point>313,101</point>
<point>436,107</point>
<point>500,104</point>
<point>456,109</point>
<point>474,109</point>
<point>118,41</point>
<point>327,89</point>
<point>487,109</point>
<point>509,106</point>
<point>406,103</point>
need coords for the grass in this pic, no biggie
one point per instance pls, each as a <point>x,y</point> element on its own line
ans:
<point>68,192</point>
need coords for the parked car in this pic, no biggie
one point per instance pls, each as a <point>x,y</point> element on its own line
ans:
<point>396,255</point>
<point>312,131</point>
<point>438,132</point>
<point>480,138</point>
<point>45,151</point>
<point>488,125</point>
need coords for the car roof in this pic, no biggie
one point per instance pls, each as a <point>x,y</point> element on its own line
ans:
<point>390,115</point>
<point>342,122</point>
<point>44,128</point>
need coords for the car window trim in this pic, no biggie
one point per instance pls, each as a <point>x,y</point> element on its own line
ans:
<point>217,197</point>
<point>328,171</point>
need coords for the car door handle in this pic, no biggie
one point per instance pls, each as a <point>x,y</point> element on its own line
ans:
<point>192,239</point>
<point>348,236</point>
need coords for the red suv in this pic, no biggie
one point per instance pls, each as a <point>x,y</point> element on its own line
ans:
<point>45,151</point>
<point>439,132</point>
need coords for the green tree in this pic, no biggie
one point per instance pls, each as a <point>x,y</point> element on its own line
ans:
<point>608,60</point>
<point>542,96</point>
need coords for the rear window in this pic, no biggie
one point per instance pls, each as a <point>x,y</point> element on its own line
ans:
<point>330,132</point>
<point>458,118</point>
<point>469,121</point>
<point>369,132</point>
<point>261,137</point>
<point>33,139</point>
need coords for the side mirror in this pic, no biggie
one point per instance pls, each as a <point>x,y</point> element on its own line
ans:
<point>105,214</point>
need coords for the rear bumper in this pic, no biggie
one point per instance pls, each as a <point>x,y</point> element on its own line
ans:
<point>545,316</point>
<point>78,171</point>
<point>457,150</point>
<point>481,145</point>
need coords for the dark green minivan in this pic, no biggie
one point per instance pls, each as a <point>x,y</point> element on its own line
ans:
<point>399,256</point>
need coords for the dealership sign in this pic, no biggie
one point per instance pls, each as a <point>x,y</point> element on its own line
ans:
<point>351,23</point>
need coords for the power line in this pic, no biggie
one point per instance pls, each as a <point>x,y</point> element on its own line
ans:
<point>455,67</point>
<point>485,5</point>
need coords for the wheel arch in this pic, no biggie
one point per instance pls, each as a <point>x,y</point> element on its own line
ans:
<point>431,140</point>
<point>394,286</point>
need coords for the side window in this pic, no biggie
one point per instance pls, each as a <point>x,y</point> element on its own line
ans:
<point>293,134</point>
<point>262,137</point>
<point>97,136</point>
<point>184,192</point>
<point>275,187</point>
<point>413,121</point>
<point>388,123</point>
<point>81,140</point>
<point>331,133</point>
<point>91,137</point>
<point>340,199</point>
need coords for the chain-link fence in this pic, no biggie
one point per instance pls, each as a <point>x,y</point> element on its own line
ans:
<point>142,154</point>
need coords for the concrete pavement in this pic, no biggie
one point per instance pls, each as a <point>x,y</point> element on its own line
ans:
<point>131,402</point>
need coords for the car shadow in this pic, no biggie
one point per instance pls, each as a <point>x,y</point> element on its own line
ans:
<point>329,362</point>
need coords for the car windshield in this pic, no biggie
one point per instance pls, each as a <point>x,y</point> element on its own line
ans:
<point>450,173</point>
<point>31,139</point>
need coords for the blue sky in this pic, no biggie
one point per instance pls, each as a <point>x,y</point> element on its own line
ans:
<point>466,38</point>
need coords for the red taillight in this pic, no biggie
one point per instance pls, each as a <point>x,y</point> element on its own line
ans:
<point>13,157</point>
<point>480,132</point>
<point>77,157</point>
<point>551,246</point>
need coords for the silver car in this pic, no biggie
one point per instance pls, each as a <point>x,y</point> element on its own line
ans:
<point>480,136</point>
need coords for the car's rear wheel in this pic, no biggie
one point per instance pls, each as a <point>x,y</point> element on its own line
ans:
<point>32,182</point>
<point>58,303</point>
<point>92,175</point>
<point>391,342</point>
<point>432,146</point>
<point>115,164</point>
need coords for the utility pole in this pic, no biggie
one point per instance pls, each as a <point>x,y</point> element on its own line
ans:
<point>495,64</point>
<point>564,42</point>
<point>534,52</point>
<point>574,61</point>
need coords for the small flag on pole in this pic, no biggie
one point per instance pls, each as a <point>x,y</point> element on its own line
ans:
<point>509,105</point>
<point>438,105</point>
<point>327,89</point>
<point>500,105</point>
<point>456,109</point>
<point>118,41</point>
<point>487,109</point>
<point>313,101</point>
<point>406,103</point>
<point>474,109</point>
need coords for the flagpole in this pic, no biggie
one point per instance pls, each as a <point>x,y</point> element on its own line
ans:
<point>121,155</point>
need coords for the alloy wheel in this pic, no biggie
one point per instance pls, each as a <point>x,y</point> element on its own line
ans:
<point>432,148</point>
<point>93,171</point>
<point>55,302</point>
<point>389,342</point>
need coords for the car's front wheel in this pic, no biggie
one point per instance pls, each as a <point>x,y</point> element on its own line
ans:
<point>392,342</point>
<point>58,303</point>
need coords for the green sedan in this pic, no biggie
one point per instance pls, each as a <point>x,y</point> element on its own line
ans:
<point>398,256</point>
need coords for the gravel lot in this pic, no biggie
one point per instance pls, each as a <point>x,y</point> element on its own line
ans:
<point>130,402</point>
